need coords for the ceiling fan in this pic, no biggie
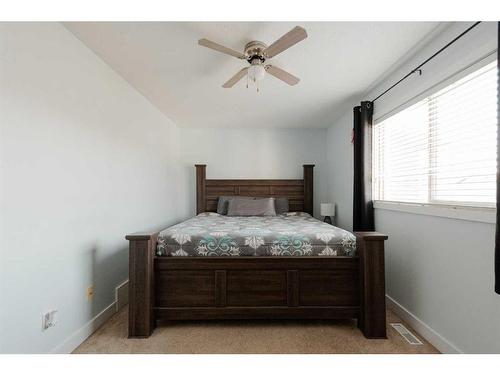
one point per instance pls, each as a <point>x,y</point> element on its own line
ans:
<point>256,53</point>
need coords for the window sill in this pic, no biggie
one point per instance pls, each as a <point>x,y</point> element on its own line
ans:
<point>479,214</point>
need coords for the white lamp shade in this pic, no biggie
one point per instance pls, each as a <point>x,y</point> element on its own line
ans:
<point>327,209</point>
<point>256,72</point>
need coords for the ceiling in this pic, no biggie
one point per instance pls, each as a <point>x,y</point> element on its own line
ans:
<point>337,62</point>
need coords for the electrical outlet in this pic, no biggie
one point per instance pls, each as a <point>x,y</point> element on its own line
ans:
<point>90,293</point>
<point>49,319</point>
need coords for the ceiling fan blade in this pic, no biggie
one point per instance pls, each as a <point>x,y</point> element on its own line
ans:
<point>215,46</point>
<point>235,78</point>
<point>281,74</point>
<point>286,41</point>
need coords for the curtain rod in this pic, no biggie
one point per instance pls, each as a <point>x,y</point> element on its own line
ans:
<point>418,68</point>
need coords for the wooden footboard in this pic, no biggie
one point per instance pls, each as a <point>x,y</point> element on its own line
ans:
<point>256,288</point>
<point>174,288</point>
<point>370,250</point>
<point>141,321</point>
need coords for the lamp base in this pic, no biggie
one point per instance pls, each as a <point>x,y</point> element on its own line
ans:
<point>328,220</point>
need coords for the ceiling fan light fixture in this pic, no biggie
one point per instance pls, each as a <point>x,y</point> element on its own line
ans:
<point>256,72</point>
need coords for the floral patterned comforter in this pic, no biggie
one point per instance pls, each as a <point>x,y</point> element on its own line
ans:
<point>291,234</point>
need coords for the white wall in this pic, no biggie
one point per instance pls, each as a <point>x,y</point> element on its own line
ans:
<point>85,159</point>
<point>256,153</point>
<point>340,161</point>
<point>438,269</point>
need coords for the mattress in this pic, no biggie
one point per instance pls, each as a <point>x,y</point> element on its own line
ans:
<point>290,234</point>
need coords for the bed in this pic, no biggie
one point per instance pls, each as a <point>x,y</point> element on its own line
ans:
<point>288,266</point>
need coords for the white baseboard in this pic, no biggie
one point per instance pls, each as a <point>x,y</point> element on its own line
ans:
<point>121,295</point>
<point>438,341</point>
<point>72,342</point>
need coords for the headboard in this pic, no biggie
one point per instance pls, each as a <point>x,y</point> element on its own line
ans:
<point>298,192</point>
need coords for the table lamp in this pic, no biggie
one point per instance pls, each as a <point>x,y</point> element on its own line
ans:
<point>328,210</point>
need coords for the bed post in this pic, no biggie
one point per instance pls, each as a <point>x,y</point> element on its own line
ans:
<point>372,319</point>
<point>201,176</point>
<point>308,188</point>
<point>141,320</point>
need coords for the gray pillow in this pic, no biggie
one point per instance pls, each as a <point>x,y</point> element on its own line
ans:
<point>251,207</point>
<point>223,202</point>
<point>281,205</point>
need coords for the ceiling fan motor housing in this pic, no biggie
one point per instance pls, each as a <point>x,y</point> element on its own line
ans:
<point>255,52</point>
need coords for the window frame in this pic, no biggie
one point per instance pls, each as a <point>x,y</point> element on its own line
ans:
<point>469,213</point>
<point>482,212</point>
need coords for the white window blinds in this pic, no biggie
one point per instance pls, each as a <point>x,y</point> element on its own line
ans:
<point>442,149</point>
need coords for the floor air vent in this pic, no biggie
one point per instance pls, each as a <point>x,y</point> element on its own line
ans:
<point>403,331</point>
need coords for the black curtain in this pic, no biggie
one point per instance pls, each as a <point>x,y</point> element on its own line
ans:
<point>362,137</point>
<point>497,234</point>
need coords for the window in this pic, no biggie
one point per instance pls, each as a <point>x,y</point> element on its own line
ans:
<point>442,149</point>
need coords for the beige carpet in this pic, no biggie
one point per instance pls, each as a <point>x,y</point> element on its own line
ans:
<point>248,337</point>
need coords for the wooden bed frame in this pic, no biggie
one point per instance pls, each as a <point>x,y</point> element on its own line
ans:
<point>184,288</point>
